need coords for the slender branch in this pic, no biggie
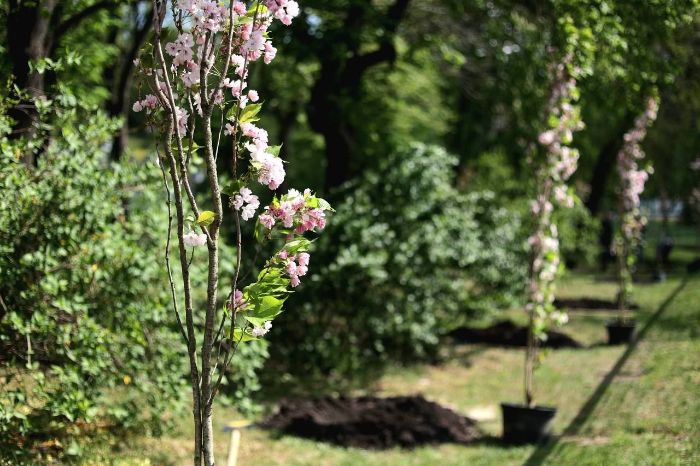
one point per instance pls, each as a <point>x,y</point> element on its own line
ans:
<point>173,294</point>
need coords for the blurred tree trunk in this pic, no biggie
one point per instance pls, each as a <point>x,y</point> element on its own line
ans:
<point>339,82</point>
<point>34,30</point>
<point>605,164</point>
<point>29,39</point>
<point>123,74</point>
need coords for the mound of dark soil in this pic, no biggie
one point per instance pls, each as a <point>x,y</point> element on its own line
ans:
<point>372,423</point>
<point>592,304</point>
<point>506,333</point>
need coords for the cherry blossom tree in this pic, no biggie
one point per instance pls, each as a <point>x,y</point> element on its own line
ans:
<point>200,77</point>
<point>552,171</point>
<point>632,179</point>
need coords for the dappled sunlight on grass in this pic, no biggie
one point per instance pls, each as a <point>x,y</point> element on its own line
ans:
<point>647,415</point>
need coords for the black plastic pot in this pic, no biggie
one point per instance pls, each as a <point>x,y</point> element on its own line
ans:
<point>523,424</point>
<point>620,332</point>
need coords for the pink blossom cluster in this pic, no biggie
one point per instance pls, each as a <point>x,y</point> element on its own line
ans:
<point>193,239</point>
<point>203,72</point>
<point>546,264</point>
<point>562,160</point>
<point>293,211</point>
<point>239,302</point>
<point>284,10</point>
<point>295,265</point>
<point>269,167</point>
<point>149,103</point>
<point>557,167</point>
<point>246,202</point>
<point>632,177</point>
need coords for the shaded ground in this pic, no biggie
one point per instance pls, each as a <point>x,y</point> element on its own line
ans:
<point>506,333</point>
<point>373,423</point>
<point>589,304</point>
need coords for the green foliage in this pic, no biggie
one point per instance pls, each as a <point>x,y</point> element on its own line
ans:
<point>405,258</point>
<point>84,325</point>
<point>578,231</point>
<point>87,330</point>
<point>578,235</point>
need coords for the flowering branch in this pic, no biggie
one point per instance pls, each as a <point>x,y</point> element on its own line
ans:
<point>198,76</point>
<point>559,163</point>
<point>632,179</point>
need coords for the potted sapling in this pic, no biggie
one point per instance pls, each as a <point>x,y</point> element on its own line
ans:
<point>631,221</point>
<point>553,164</point>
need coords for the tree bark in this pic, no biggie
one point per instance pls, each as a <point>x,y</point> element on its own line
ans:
<point>121,90</point>
<point>28,41</point>
<point>339,83</point>
<point>605,164</point>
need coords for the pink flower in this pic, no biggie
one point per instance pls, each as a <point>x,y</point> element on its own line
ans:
<point>269,168</point>
<point>246,202</point>
<point>283,10</point>
<point>270,52</point>
<point>267,220</point>
<point>546,138</point>
<point>239,303</point>
<point>181,116</point>
<point>253,95</point>
<point>193,239</point>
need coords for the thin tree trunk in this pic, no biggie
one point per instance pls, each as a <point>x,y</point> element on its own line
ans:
<point>622,269</point>
<point>212,288</point>
<point>530,356</point>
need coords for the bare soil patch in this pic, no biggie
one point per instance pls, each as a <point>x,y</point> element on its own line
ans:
<point>373,423</point>
<point>506,333</point>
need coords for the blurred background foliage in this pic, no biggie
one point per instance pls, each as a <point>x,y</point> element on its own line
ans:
<point>369,99</point>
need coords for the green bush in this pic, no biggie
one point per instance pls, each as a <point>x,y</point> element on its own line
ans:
<point>87,334</point>
<point>405,258</point>
<point>578,230</point>
<point>85,321</point>
<point>578,236</point>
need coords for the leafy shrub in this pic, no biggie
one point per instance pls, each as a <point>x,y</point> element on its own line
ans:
<point>578,236</point>
<point>405,257</point>
<point>87,334</point>
<point>578,230</point>
<point>84,323</point>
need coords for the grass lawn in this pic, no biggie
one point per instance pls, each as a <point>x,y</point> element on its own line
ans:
<point>617,405</point>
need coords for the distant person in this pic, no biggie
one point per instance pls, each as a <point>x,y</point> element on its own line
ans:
<point>606,239</point>
<point>663,254</point>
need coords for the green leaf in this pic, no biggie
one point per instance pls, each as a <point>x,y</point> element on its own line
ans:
<point>268,308</point>
<point>274,150</point>
<point>324,205</point>
<point>206,218</point>
<point>240,336</point>
<point>262,9</point>
<point>232,112</point>
<point>258,322</point>
<point>250,112</point>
